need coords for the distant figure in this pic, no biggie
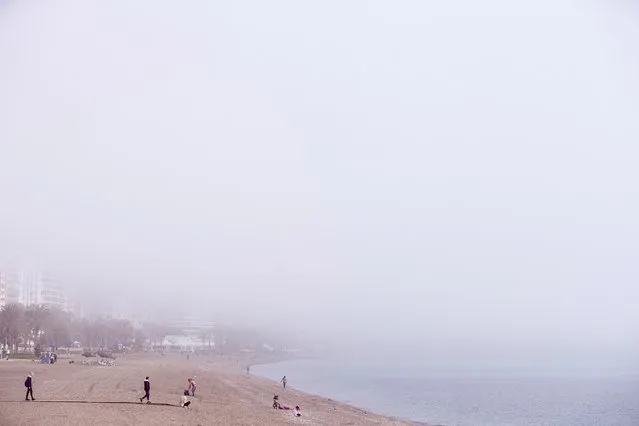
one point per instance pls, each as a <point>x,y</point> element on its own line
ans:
<point>277,405</point>
<point>29,385</point>
<point>147,390</point>
<point>192,387</point>
<point>188,356</point>
<point>297,412</point>
<point>284,381</point>
<point>248,369</point>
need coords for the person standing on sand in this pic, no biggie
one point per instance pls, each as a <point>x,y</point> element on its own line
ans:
<point>147,390</point>
<point>284,381</point>
<point>29,385</point>
<point>192,387</point>
<point>248,369</point>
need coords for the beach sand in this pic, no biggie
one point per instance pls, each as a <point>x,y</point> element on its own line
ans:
<point>224,396</point>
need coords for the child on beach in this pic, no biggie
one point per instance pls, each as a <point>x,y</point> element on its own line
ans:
<point>192,387</point>
<point>147,391</point>
<point>297,412</point>
<point>184,402</point>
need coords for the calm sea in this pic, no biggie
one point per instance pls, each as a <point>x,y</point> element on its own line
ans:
<point>468,401</point>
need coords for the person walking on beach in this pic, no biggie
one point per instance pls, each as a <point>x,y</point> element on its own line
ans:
<point>147,390</point>
<point>284,381</point>
<point>248,369</point>
<point>192,387</point>
<point>29,385</point>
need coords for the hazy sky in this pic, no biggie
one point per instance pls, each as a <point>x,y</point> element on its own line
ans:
<point>454,170</point>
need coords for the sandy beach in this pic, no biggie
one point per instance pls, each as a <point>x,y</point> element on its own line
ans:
<point>98,395</point>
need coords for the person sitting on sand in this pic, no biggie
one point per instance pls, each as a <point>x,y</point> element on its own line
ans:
<point>297,412</point>
<point>277,405</point>
<point>184,402</point>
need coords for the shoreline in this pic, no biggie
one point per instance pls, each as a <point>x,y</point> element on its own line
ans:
<point>328,397</point>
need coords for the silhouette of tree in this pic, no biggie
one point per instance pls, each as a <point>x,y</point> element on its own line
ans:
<point>36,317</point>
<point>12,325</point>
<point>57,331</point>
<point>207,336</point>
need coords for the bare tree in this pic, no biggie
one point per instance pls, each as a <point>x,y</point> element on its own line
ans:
<point>207,336</point>
<point>55,328</point>
<point>156,332</point>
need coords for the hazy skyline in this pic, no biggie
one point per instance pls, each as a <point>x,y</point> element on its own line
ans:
<point>432,172</point>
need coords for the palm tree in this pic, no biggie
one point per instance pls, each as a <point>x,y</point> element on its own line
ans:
<point>12,324</point>
<point>57,330</point>
<point>90,333</point>
<point>36,317</point>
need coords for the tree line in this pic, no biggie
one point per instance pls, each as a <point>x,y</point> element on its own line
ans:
<point>26,329</point>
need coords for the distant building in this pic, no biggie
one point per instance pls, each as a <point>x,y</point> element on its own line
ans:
<point>33,288</point>
<point>182,343</point>
<point>192,326</point>
<point>22,287</point>
<point>53,293</point>
<point>3,290</point>
<point>75,307</point>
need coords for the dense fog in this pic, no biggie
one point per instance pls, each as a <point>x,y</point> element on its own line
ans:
<point>399,178</point>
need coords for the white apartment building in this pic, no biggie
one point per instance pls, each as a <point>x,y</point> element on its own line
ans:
<point>34,288</point>
<point>53,293</point>
<point>3,290</point>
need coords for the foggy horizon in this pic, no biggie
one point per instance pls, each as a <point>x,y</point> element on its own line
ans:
<point>422,175</point>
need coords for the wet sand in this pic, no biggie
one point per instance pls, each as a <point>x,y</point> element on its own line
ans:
<point>76,394</point>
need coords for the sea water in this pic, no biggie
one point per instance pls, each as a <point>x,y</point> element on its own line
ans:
<point>469,401</point>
